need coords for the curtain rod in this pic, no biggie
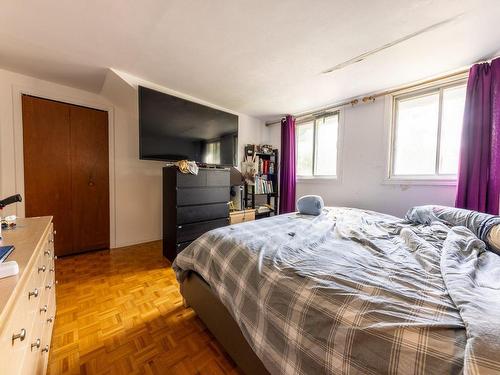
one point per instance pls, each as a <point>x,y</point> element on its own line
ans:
<point>368,98</point>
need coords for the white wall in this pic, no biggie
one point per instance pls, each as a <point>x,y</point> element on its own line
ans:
<point>135,185</point>
<point>364,168</point>
<point>138,182</point>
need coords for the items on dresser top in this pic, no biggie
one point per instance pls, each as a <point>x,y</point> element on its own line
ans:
<point>5,202</point>
<point>186,166</point>
<point>193,205</point>
<point>8,269</point>
<point>5,252</point>
<point>10,200</point>
<point>27,300</point>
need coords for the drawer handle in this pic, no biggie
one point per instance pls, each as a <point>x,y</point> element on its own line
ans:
<point>54,257</point>
<point>47,252</point>
<point>43,309</point>
<point>45,349</point>
<point>54,231</point>
<point>50,320</point>
<point>35,344</point>
<point>51,240</point>
<point>33,293</point>
<point>48,286</point>
<point>21,336</point>
<point>41,269</point>
<point>52,269</point>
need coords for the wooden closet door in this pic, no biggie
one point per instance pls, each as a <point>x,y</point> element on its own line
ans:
<point>47,165</point>
<point>90,178</point>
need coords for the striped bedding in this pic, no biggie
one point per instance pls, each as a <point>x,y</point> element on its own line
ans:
<point>356,292</point>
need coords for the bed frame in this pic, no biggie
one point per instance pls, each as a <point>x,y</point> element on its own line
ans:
<point>198,295</point>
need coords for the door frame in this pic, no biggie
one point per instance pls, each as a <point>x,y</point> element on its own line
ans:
<point>103,105</point>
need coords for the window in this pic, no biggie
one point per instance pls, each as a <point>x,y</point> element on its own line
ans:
<point>212,153</point>
<point>426,133</point>
<point>317,147</point>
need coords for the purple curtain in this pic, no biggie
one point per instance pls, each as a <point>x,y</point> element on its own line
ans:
<point>479,169</point>
<point>287,170</point>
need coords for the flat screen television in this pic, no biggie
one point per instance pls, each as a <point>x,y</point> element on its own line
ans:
<point>171,128</point>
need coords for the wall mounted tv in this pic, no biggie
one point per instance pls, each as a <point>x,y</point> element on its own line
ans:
<point>171,128</point>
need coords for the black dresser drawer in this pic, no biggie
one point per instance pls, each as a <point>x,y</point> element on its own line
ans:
<point>212,177</point>
<point>190,196</point>
<point>218,178</point>
<point>190,232</point>
<point>191,214</point>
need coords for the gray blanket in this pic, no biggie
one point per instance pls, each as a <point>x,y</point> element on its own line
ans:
<point>354,291</point>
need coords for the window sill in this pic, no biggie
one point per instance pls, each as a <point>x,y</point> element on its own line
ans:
<point>318,179</point>
<point>425,181</point>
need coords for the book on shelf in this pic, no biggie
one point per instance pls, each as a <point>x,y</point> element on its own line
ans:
<point>265,166</point>
<point>262,185</point>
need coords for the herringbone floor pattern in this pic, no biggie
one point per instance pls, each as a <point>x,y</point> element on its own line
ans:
<point>120,312</point>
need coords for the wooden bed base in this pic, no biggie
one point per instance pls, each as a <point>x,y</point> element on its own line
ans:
<point>198,295</point>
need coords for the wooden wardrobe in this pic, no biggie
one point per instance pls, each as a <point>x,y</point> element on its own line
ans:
<point>66,171</point>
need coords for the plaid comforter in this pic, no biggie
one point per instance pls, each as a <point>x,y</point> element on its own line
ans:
<point>347,292</point>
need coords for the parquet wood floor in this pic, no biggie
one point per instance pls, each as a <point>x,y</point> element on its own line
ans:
<point>120,312</point>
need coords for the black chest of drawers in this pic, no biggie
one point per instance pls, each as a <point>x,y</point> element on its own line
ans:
<point>192,205</point>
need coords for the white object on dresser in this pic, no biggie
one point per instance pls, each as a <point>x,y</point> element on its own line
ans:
<point>8,269</point>
<point>28,301</point>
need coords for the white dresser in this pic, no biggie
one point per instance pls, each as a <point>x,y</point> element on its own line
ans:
<point>28,300</point>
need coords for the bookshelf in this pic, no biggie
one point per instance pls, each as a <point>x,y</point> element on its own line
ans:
<point>264,189</point>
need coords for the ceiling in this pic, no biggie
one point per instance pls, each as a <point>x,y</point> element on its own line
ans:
<point>262,58</point>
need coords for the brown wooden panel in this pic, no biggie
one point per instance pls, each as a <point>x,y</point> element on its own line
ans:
<point>90,178</point>
<point>47,172</point>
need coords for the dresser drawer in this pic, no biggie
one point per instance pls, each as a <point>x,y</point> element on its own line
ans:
<point>34,347</point>
<point>211,177</point>
<point>218,178</point>
<point>191,214</point>
<point>26,312</point>
<point>190,196</point>
<point>14,356</point>
<point>13,351</point>
<point>190,232</point>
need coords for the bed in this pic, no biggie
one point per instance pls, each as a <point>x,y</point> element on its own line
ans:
<point>350,291</point>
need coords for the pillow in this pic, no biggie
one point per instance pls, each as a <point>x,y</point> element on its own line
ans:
<point>485,226</point>
<point>310,205</point>
<point>493,238</point>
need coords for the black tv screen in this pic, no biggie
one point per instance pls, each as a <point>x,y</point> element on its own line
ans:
<point>171,128</point>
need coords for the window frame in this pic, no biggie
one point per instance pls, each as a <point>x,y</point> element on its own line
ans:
<point>340,127</point>
<point>391,117</point>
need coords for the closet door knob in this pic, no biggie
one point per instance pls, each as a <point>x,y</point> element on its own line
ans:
<point>21,336</point>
